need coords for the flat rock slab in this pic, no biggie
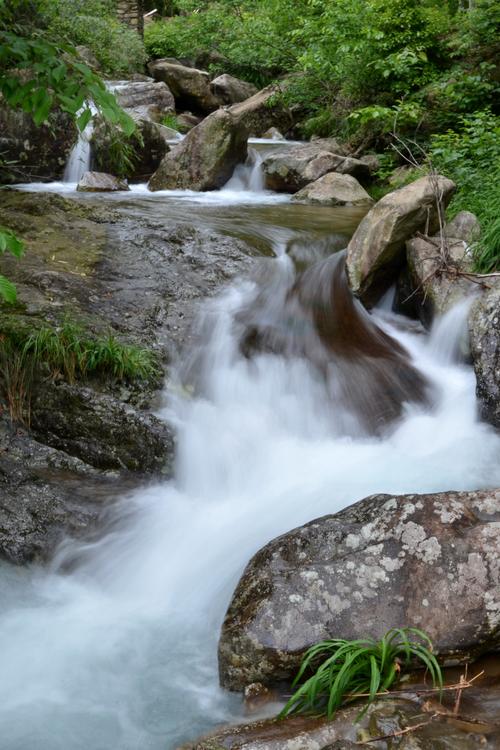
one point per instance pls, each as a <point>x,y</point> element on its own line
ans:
<point>101,182</point>
<point>334,190</point>
<point>428,561</point>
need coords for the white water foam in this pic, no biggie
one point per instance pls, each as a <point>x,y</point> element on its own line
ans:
<point>120,653</point>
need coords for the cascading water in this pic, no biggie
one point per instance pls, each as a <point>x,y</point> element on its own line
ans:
<point>114,648</point>
<point>247,176</point>
<point>80,155</point>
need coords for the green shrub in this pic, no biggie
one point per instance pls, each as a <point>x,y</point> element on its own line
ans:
<point>118,49</point>
<point>470,156</point>
<point>348,670</point>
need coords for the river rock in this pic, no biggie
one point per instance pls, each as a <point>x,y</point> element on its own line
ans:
<point>428,561</point>
<point>291,169</point>
<point>148,149</point>
<point>435,285</point>
<point>484,335</point>
<point>334,190</point>
<point>101,182</point>
<point>375,253</point>
<point>146,99</point>
<point>206,158</point>
<point>31,153</point>
<point>190,86</point>
<point>187,121</point>
<point>230,90</point>
<point>263,110</point>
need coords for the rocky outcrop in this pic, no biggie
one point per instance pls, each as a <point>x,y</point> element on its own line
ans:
<point>206,158</point>
<point>334,190</point>
<point>148,149</point>
<point>429,561</point>
<point>101,182</point>
<point>101,430</point>
<point>187,121</point>
<point>375,253</point>
<point>436,286</point>
<point>484,336</point>
<point>145,99</point>
<point>293,168</point>
<point>262,111</point>
<point>190,86</point>
<point>32,153</point>
<point>230,90</point>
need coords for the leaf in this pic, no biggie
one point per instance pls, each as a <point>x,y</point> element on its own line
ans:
<point>7,290</point>
<point>83,120</point>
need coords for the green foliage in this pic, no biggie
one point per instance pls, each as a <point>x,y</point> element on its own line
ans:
<point>470,155</point>
<point>9,243</point>
<point>115,151</point>
<point>171,121</point>
<point>118,49</point>
<point>346,670</point>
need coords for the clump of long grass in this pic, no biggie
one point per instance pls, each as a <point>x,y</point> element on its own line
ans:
<point>345,671</point>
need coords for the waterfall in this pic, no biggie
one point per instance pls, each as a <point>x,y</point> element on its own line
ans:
<point>448,340</point>
<point>80,155</point>
<point>248,176</point>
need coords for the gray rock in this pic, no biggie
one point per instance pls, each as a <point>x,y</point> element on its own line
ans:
<point>100,429</point>
<point>334,190</point>
<point>291,169</point>
<point>207,156</point>
<point>101,182</point>
<point>262,111</point>
<point>187,121</point>
<point>375,253</point>
<point>190,86</point>
<point>230,90</point>
<point>484,336</point>
<point>428,561</point>
<point>149,149</point>
<point>273,134</point>
<point>146,98</point>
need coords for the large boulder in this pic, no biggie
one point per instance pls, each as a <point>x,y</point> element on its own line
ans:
<point>484,336</point>
<point>190,86</point>
<point>147,99</point>
<point>101,182</point>
<point>375,253</point>
<point>334,190</point>
<point>435,265</point>
<point>230,90</point>
<point>428,561</point>
<point>262,111</point>
<point>293,168</point>
<point>149,148</point>
<point>31,153</point>
<point>206,158</point>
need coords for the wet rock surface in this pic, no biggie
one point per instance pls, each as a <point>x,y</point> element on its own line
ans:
<point>101,182</point>
<point>334,190</point>
<point>110,271</point>
<point>207,156</point>
<point>429,561</point>
<point>375,253</point>
<point>484,336</point>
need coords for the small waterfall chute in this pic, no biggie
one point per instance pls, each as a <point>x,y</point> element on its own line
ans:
<point>80,155</point>
<point>247,177</point>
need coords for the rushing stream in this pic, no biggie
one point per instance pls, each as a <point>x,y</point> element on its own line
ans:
<point>114,647</point>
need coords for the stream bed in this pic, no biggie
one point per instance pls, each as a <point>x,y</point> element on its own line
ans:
<point>113,646</point>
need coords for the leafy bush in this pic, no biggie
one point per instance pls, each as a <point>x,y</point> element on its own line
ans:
<point>470,156</point>
<point>348,670</point>
<point>118,49</point>
<point>9,243</point>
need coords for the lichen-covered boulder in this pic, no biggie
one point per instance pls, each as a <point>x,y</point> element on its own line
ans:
<point>230,90</point>
<point>428,561</point>
<point>484,336</point>
<point>101,182</point>
<point>436,286</point>
<point>334,190</point>
<point>291,169</point>
<point>190,86</point>
<point>263,110</point>
<point>376,251</point>
<point>206,158</point>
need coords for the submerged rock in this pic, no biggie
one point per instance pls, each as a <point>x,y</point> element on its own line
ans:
<point>101,182</point>
<point>484,335</point>
<point>293,168</point>
<point>206,158</point>
<point>190,86</point>
<point>230,90</point>
<point>428,561</point>
<point>334,190</point>
<point>375,253</point>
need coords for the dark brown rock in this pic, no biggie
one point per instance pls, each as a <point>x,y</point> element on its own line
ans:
<point>484,336</point>
<point>428,561</point>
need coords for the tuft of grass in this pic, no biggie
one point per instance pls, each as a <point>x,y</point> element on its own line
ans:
<point>170,121</point>
<point>348,670</point>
